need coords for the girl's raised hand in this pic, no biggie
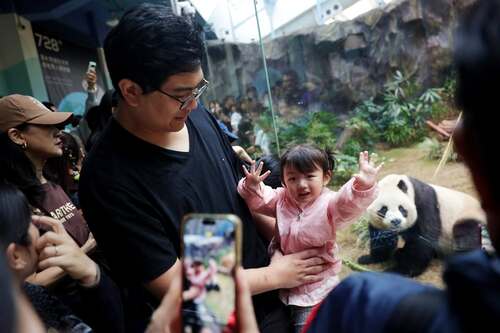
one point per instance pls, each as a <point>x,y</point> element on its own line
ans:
<point>367,175</point>
<point>253,177</point>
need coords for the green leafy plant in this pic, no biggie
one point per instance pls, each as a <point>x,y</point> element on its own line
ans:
<point>318,128</point>
<point>399,119</point>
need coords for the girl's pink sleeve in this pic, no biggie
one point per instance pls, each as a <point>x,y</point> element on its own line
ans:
<point>348,204</point>
<point>262,199</point>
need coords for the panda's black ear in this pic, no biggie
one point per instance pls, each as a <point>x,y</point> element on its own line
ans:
<point>402,186</point>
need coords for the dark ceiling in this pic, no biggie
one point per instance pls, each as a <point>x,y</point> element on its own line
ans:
<point>82,21</point>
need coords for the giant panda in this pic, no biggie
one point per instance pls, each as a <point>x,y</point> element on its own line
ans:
<point>432,220</point>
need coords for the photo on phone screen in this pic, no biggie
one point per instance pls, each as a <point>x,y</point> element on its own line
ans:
<point>211,249</point>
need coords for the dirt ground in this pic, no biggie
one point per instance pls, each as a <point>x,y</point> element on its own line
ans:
<point>412,162</point>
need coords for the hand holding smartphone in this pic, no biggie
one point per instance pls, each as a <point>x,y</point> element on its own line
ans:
<point>211,248</point>
<point>92,66</point>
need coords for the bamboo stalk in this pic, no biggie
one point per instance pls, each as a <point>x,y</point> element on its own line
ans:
<point>447,151</point>
<point>355,267</point>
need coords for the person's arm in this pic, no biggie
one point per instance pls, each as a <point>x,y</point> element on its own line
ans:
<point>356,195</point>
<point>265,225</point>
<point>160,286</point>
<point>144,241</point>
<point>91,78</point>
<point>242,154</point>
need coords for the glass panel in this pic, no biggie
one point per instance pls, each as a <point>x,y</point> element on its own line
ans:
<point>348,75</point>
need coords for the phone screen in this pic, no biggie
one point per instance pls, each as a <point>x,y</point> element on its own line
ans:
<point>92,66</point>
<point>210,247</point>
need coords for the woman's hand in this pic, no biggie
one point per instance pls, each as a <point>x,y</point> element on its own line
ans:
<point>367,176</point>
<point>57,249</point>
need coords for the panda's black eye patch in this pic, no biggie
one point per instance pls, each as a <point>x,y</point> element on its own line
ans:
<point>402,186</point>
<point>382,211</point>
<point>403,211</point>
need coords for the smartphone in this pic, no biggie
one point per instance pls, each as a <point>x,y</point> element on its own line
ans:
<point>92,66</point>
<point>211,249</point>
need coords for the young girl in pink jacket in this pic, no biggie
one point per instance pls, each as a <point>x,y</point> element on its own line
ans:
<point>308,214</point>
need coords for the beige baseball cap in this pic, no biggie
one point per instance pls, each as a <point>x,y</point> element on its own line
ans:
<point>19,109</point>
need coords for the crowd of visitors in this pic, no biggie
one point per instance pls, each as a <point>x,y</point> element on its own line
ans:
<point>245,116</point>
<point>90,209</point>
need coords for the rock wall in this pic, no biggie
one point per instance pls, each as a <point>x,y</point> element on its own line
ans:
<point>352,60</point>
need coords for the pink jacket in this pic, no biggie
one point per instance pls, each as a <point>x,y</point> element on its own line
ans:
<point>312,226</point>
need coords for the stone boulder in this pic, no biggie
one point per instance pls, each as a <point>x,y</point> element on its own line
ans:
<point>352,60</point>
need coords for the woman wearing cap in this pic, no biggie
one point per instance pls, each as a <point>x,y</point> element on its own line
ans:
<point>29,135</point>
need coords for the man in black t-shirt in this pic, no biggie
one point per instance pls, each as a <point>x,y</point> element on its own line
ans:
<point>163,156</point>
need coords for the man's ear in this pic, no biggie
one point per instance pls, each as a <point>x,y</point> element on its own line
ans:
<point>16,136</point>
<point>131,92</point>
<point>16,257</point>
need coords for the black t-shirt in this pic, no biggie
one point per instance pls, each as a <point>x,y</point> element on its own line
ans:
<point>134,195</point>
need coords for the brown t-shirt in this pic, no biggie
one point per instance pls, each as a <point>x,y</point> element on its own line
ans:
<point>58,205</point>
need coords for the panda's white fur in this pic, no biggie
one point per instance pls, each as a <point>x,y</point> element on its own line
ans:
<point>453,206</point>
<point>424,214</point>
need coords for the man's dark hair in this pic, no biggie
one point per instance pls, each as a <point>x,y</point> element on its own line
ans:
<point>8,311</point>
<point>271,162</point>
<point>477,60</point>
<point>98,117</point>
<point>149,44</point>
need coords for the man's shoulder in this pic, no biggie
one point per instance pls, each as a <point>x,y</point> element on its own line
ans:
<point>369,299</point>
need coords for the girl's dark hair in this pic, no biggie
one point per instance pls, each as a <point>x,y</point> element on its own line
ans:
<point>306,158</point>
<point>17,169</point>
<point>56,169</point>
<point>15,216</point>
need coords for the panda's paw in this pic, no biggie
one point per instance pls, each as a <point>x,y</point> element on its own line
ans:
<point>369,259</point>
<point>405,271</point>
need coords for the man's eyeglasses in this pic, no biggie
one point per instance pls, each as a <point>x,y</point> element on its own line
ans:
<point>195,94</point>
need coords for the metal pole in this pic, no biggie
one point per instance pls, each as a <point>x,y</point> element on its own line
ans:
<point>267,79</point>
<point>102,61</point>
<point>173,4</point>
